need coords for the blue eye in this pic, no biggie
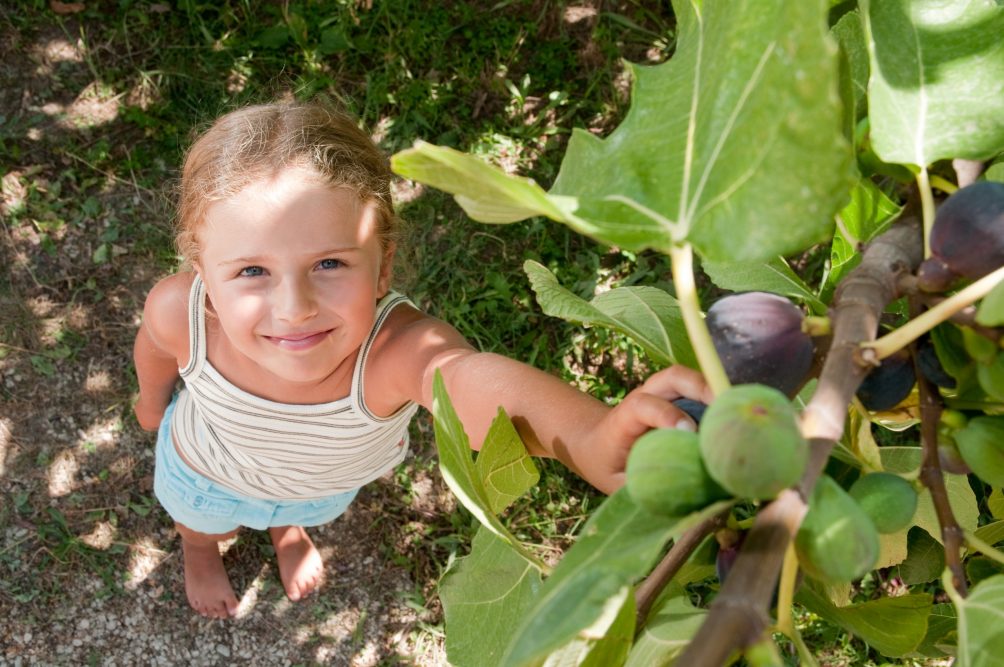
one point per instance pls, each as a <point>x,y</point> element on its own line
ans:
<point>329,263</point>
<point>251,272</point>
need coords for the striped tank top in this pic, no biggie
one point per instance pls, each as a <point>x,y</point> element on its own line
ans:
<point>280,451</point>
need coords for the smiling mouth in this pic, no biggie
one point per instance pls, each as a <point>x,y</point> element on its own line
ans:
<point>297,342</point>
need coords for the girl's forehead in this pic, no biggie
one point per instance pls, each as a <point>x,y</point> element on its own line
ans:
<point>294,205</point>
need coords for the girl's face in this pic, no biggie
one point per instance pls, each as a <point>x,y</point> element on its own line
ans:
<point>293,268</point>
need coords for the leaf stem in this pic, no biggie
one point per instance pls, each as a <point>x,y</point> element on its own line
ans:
<point>946,581</point>
<point>927,207</point>
<point>984,548</point>
<point>682,257</point>
<point>918,326</point>
<point>942,184</point>
<point>786,591</point>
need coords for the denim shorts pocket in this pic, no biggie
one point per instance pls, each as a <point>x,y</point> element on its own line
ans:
<point>203,501</point>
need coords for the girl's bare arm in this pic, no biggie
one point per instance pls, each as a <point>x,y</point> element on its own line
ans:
<point>156,350</point>
<point>553,418</point>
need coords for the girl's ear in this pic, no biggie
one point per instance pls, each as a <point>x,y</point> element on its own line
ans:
<point>386,270</point>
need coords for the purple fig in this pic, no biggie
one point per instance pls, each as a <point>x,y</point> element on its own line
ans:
<point>759,338</point>
<point>967,239</point>
<point>889,383</point>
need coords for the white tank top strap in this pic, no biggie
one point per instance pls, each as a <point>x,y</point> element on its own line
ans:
<point>196,328</point>
<point>384,307</point>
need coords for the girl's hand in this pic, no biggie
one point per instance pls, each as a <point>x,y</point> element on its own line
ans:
<point>647,407</point>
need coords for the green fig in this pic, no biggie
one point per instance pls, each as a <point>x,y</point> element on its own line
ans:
<point>981,444</point>
<point>889,500</point>
<point>837,542</point>
<point>666,476</point>
<point>751,443</point>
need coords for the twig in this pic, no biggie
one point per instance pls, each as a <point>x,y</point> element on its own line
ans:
<point>739,614</point>
<point>930,472</point>
<point>649,589</point>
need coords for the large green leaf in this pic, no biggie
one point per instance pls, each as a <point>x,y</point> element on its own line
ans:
<point>605,643</point>
<point>504,467</point>
<point>649,315</point>
<point>937,79</point>
<point>734,144</point>
<point>617,546</point>
<point>771,276</point>
<point>666,633</point>
<point>981,625</point>
<point>485,596</point>
<point>960,495</point>
<point>892,626</point>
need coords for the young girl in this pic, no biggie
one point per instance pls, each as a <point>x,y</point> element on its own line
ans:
<point>302,368</point>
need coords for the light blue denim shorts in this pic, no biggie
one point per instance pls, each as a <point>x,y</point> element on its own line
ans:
<point>205,506</point>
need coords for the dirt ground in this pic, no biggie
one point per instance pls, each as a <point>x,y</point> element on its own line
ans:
<point>90,566</point>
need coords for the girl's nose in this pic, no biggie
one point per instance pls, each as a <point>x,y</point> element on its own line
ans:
<point>294,302</point>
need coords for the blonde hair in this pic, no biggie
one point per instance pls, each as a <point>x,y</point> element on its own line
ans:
<point>259,141</point>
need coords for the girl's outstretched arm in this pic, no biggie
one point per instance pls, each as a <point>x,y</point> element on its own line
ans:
<point>553,418</point>
<point>559,421</point>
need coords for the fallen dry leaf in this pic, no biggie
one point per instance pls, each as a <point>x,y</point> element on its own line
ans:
<point>66,7</point>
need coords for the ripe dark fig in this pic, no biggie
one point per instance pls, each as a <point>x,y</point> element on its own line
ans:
<point>751,443</point>
<point>889,383</point>
<point>759,338</point>
<point>694,409</point>
<point>950,458</point>
<point>968,234</point>
<point>930,365</point>
<point>729,543</point>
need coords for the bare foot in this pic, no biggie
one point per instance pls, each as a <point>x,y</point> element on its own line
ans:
<point>300,566</point>
<point>206,582</point>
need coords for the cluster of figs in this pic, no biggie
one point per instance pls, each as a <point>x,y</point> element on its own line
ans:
<point>749,445</point>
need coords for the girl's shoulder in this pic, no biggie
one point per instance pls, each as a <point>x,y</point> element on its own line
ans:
<point>408,347</point>
<point>165,314</point>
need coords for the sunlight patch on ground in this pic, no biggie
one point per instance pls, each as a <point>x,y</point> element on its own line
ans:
<point>57,50</point>
<point>5,440</point>
<point>97,382</point>
<point>101,537</point>
<point>145,557</point>
<point>254,591</point>
<point>62,474</point>
<point>93,107</point>
<point>100,435</point>
<point>576,14</point>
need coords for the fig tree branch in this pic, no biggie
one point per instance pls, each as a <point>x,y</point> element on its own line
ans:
<point>918,326</point>
<point>739,614</point>
<point>931,476</point>
<point>649,589</point>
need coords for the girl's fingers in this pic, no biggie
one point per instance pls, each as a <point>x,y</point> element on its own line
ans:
<point>678,381</point>
<point>642,411</point>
